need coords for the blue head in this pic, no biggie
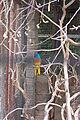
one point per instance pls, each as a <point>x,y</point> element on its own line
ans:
<point>36,55</point>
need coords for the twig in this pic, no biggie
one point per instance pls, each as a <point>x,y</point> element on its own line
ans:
<point>75,27</point>
<point>70,3</point>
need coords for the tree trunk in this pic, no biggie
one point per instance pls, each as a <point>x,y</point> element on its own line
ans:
<point>30,79</point>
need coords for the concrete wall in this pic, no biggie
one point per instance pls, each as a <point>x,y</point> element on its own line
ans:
<point>41,95</point>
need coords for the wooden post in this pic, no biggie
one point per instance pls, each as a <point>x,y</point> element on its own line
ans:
<point>1,68</point>
<point>7,62</point>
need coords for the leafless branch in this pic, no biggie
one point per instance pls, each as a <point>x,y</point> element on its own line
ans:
<point>16,84</point>
<point>75,27</point>
<point>22,109</point>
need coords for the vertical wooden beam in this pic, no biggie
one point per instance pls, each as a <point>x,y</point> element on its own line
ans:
<point>7,63</point>
<point>1,68</point>
<point>11,88</point>
<point>14,24</point>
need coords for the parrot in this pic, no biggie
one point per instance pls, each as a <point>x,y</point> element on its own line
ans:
<point>37,62</point>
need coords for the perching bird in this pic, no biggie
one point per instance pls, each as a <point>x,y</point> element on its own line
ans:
<point>37,62</point>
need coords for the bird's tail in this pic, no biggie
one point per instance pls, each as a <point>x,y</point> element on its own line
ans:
<point>37,70</point>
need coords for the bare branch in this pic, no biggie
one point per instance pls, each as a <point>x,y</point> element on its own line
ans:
<point>75,27</point>
<point>70,3</point>
<point>22,109</point>
<point>16,84</point>
<point>73,42</point>
<point>76,115</point>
